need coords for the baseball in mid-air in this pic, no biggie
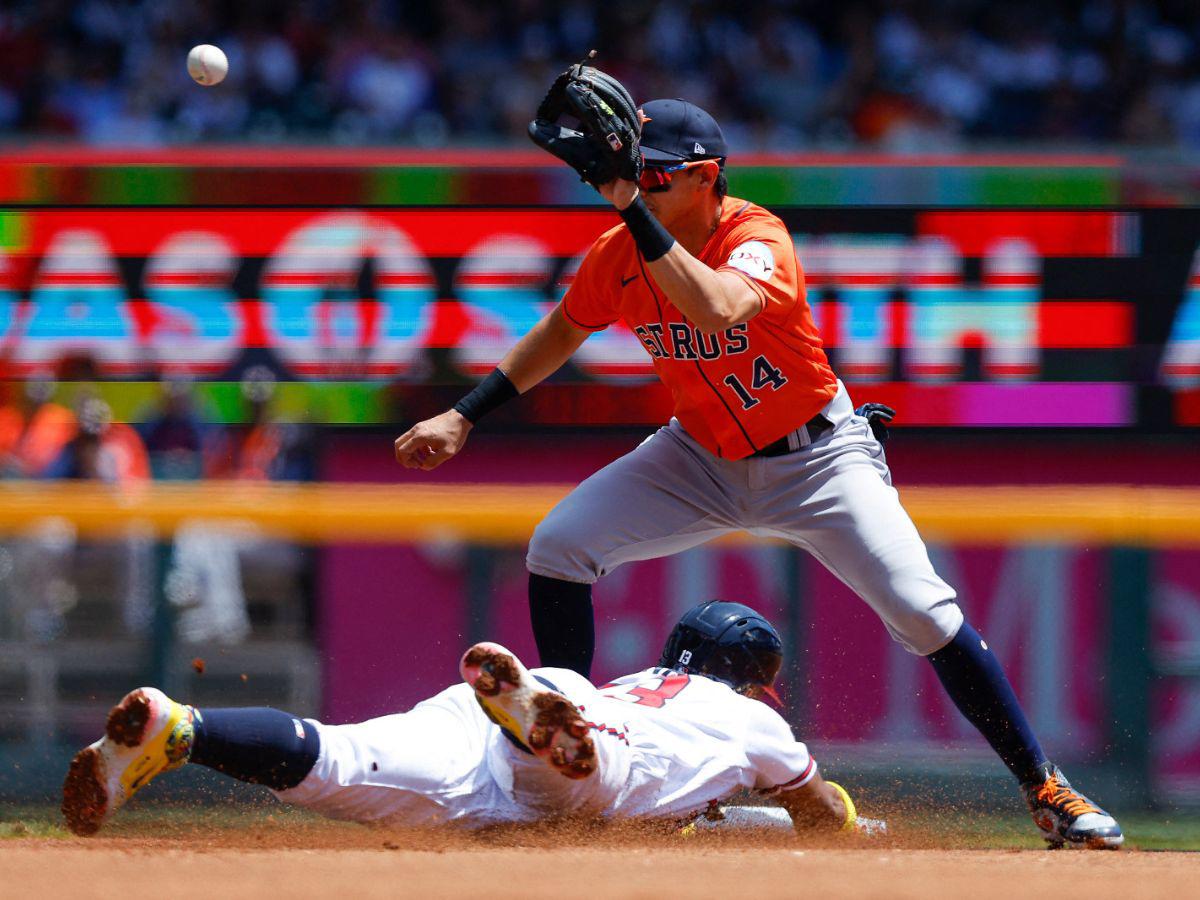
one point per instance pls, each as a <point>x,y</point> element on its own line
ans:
<point>207,64</point>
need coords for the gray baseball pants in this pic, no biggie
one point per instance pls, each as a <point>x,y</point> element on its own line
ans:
<point>833,497</point>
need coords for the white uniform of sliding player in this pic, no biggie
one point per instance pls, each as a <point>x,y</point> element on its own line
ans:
<point>668,745</point>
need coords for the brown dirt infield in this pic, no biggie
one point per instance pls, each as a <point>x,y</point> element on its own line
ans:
<point>285,862</point>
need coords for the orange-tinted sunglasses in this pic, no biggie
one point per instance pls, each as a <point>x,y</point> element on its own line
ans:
<point>658,178</point>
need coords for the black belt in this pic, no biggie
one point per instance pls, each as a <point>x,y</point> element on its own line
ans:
<point>814,428</point>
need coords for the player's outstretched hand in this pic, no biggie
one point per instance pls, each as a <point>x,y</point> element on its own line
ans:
<point>430,443</point>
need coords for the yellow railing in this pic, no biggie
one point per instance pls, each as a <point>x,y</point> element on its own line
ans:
<point>506,514</point>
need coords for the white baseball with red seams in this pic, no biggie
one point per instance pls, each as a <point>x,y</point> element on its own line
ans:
<point>207,64</point>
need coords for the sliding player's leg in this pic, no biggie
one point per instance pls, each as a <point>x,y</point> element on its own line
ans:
<point>148,733</point>
<point>553,754</point>
<point>423,767</point>
<point>415,768</point>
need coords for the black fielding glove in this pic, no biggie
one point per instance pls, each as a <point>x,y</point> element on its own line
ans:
<point>606,142</point>
<point>878,416</point>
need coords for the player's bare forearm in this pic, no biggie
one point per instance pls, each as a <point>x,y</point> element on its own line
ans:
<point>712,301</point>
<point>542,351</point>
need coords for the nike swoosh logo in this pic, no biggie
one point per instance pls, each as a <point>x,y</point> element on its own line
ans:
<point>625,281</point>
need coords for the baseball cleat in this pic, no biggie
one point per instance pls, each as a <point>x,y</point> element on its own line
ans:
<point>533,715</point>
<point>146,733</point>
<point>1067,818</point>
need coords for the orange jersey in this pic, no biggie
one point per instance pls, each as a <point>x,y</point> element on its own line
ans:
<point>737,390</point>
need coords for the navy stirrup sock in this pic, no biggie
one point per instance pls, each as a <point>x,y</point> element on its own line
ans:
<point>259,745</point>
<point>975,682</point>
<point>563,624</point>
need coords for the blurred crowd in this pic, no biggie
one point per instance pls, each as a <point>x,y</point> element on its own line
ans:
<point>44,436</point>
<point>54,583</point>
<point>889,74</point>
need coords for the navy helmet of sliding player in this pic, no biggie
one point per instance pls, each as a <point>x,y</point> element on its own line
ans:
<point>729,642</point>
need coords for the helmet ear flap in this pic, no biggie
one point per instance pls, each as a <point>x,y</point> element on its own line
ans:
<point>685,648</point>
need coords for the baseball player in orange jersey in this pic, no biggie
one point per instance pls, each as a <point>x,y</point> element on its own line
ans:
<point>764,439</point>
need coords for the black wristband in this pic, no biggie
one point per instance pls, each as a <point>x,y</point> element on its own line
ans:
<point>491,393</point>
<point>651,238</point>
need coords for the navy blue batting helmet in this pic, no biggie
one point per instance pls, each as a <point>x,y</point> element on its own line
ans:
<point>726,641</point>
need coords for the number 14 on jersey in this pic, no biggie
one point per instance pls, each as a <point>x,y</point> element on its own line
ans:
<point>764,375</point>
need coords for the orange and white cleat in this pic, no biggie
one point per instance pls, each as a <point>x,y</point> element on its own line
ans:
<point>147,733</point>
<point>1066,817</point>
<point>532,715</point>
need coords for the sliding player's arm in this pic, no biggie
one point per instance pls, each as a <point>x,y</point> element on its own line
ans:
<point>816,805</point>
<point>787,774</point>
